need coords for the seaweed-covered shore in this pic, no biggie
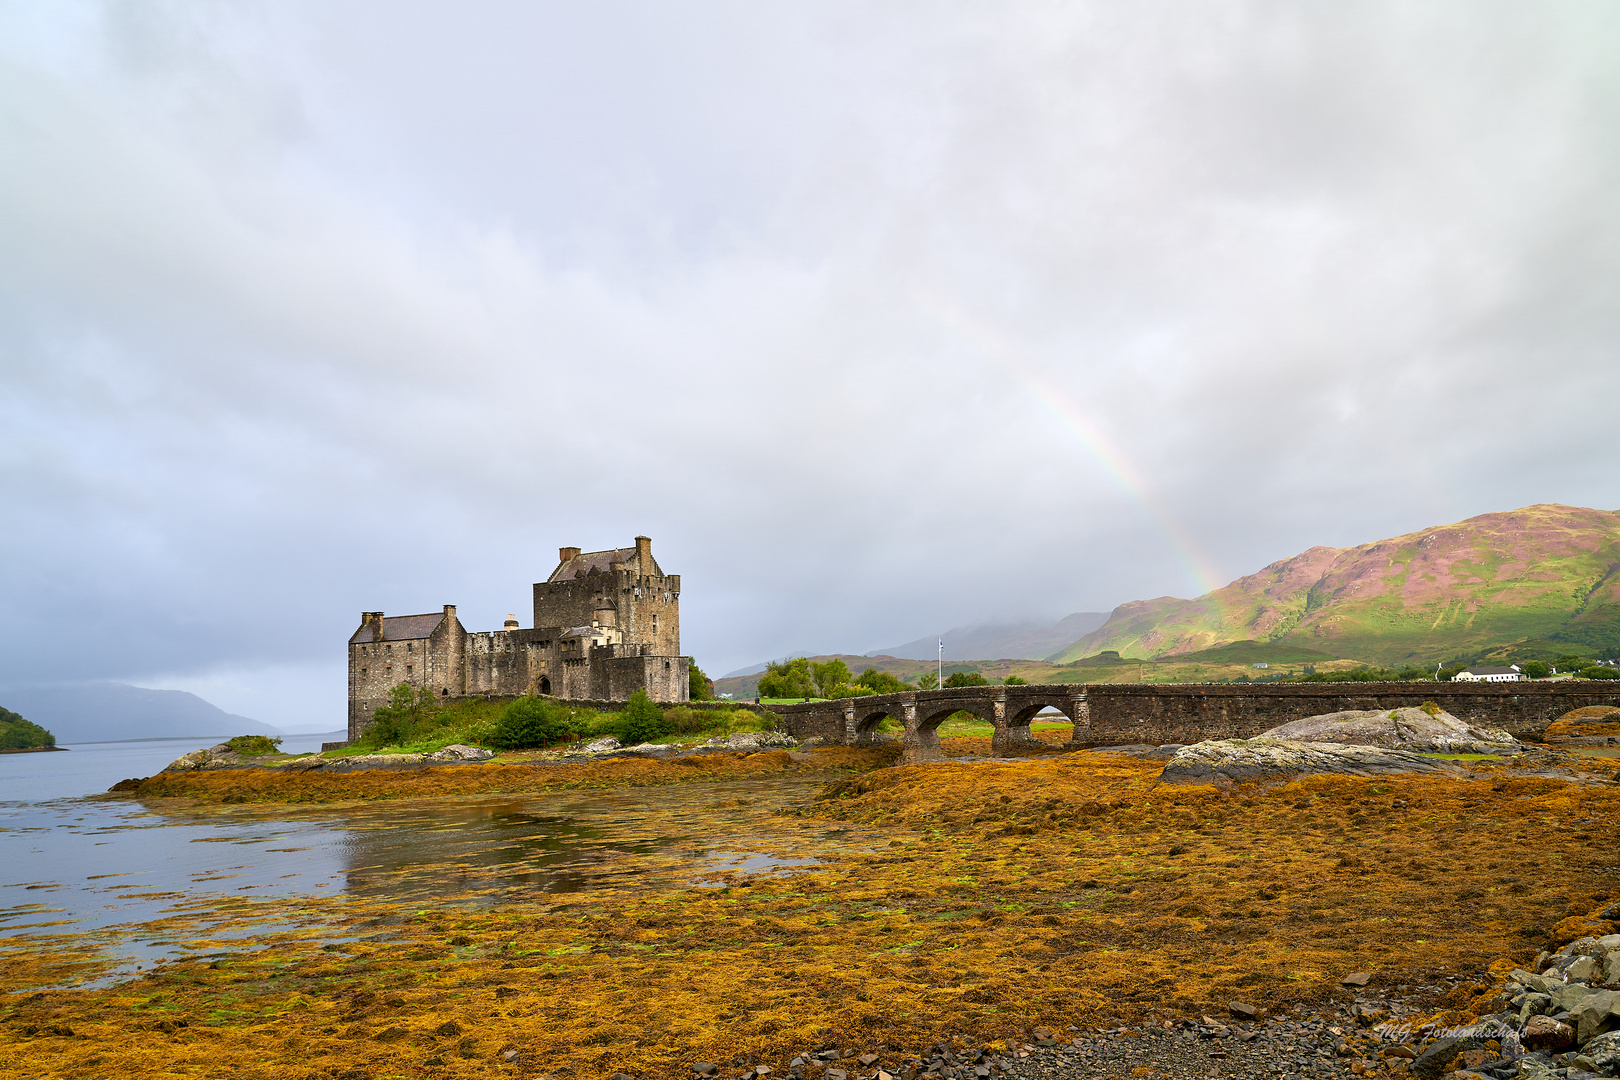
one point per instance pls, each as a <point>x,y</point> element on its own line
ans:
<point>1070,893</point>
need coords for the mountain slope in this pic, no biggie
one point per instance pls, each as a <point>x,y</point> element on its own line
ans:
<point>106,711</point>
<point>1543,571</point>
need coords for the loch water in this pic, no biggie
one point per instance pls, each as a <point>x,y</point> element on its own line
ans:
<point>125,872</point>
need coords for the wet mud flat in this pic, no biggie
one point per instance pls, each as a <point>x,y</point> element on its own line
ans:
<point>962,904</point>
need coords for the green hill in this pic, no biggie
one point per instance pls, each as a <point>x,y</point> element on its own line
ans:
<point>1257,652</point>
<point>19,734</point>
<point>1544,572</point>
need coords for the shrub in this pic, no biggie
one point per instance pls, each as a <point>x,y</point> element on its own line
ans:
<point>641,721</point>
<point>529,722</point>
<point>693,721</point>
<point>1599,671</point>
<point>1015,680</point>
<point>881,682</point>
<point>409,714</point>
<point>254,745</point>
<point>966,678</point>
<point>832,678</point>
<point>789,679</point>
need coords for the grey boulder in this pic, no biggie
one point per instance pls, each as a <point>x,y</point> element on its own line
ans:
<point>1595,1014</point>
<point>459,752</point>
<point>1397,729</point>
<point>1238,760</point>
<point>1604,1052</point>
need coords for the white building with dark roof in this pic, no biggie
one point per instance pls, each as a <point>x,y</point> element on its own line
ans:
<point>606,624</point>
<point>1511,673</point>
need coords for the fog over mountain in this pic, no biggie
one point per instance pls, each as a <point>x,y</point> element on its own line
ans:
<point>875,317</point>
<point>1017,641</point>
<point>97,711</point>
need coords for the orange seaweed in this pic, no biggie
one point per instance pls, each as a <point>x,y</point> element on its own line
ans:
<point>1056,891</point>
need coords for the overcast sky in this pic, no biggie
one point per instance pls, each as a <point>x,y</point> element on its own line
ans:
<point>879,319</point>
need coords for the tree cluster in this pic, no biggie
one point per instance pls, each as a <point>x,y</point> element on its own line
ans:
<point>408,716</point>
<point>699,686</point>
<point>19,734</point>
<point>800,678</point>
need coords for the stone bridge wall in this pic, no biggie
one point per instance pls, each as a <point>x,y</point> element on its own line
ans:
<point>1107,714</point>
<point>1138,713</point>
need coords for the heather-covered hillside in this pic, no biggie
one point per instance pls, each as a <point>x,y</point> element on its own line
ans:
<point>1549,571</point>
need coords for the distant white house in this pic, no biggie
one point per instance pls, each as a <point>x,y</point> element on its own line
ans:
<point>1511,673</point>
<point>1262,666</point>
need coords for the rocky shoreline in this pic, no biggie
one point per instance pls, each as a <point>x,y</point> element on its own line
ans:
<point>1562,1023</point>
<point>221,757</point>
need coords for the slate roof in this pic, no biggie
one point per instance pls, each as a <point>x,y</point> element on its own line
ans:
<point>586,562</point>
<point>1489,671</point>
<point>400,628</point>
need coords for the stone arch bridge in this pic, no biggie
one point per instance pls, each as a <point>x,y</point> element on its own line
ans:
<point>1009,709</point>
<point>1109,714</point>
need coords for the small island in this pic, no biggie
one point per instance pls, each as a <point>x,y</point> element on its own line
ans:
<point>20,736</point>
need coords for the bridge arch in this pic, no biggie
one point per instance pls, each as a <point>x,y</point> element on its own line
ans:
<point>863,722</point>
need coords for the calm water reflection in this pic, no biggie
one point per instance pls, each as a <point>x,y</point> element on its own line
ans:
<point>71,867</point>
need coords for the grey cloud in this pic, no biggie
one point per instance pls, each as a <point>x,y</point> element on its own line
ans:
<point>306,309</point>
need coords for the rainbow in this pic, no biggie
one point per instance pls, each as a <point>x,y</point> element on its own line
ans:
<point>1112,461</point>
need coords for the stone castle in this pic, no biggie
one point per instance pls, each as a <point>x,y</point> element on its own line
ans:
<point>606,624</point>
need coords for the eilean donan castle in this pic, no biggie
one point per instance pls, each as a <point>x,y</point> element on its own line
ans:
<point>606,624</point>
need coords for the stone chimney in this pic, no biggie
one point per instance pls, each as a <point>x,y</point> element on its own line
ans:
<point>564,554</point>
<point>373,619</point>
<point>644,554</point>
<point>450,612</point>
<point>511,622</point>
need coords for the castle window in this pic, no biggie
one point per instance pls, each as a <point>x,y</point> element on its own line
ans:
<point>407,669</point>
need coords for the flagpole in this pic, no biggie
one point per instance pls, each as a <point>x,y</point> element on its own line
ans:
<point>939,672</point>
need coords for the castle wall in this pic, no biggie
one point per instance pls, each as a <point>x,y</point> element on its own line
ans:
<point>644,608</point>
<point>507,662</point>
<point>618,671</point>
<point>376,667</point>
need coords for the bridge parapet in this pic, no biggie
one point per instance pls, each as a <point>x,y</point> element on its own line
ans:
<point>1114,713</point>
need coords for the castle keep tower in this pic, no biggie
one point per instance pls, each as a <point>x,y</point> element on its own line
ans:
<point>606,624</point>
<point>621,590</point>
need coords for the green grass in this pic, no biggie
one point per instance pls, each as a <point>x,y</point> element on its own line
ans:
<point>472,722</point>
